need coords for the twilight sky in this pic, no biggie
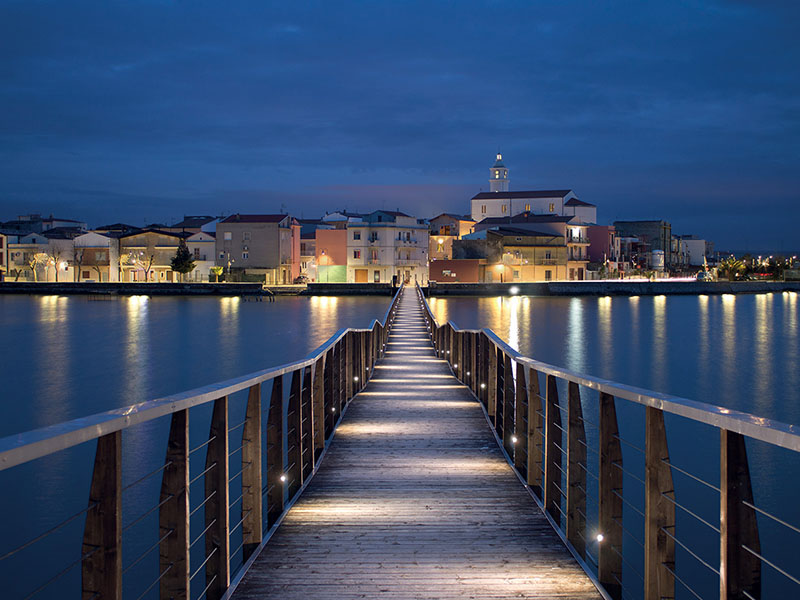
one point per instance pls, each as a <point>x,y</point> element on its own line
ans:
<point>131,111</point>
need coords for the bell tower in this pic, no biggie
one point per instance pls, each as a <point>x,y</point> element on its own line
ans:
<point>498,176</point>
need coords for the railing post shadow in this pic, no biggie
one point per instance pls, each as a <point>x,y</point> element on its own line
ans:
<point>294,467</point>
<point>275,452</point>
<point>251,474</point>
<point>535,435</point>
<point>173,515</point>
<point>576,471</point>
<point>521,424</point>
<point>307,425</point>
<point>509,410</point>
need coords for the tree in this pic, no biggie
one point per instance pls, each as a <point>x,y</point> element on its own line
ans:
<point>217,271</point>
<point>183,261</point>
<point>54,259</point>
<point>731,267</point>
<point>36,259</point>
<point>77,256</point>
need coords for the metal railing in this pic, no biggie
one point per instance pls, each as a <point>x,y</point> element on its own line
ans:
<point>626,520</point>
<point>243,492</point>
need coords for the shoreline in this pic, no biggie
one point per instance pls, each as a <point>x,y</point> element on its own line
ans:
<point>553,288</point>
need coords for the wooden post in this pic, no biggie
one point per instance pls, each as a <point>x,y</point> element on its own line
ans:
<point>306,425</point>
<point>491,381</point>
<point>101,572</point>
<point>349,370</point>
<point>251,474</point>
<point>609,569</point>
<point>339,386</point>
<point>552,455</point>
<point>521,423</point>
<point>576,471</point>
<point>173,516</point>
<point>343,378</point>
<point>500,396</point>
<point>659,548</point>
<point>217,512</point>
<point>318,403</point>
<point>535,434</point>
<point>331,392</point>
<point>275,452</point>
<point>739,571</point>
<point>294,459</point>
<point>509,410</point>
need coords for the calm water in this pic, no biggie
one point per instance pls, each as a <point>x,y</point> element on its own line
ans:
<point>740,352</point>
<point>69,357</point>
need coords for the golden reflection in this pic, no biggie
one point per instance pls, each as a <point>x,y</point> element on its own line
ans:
<point>137,341</point>
<point>576,336</point>
<point>51,365</point>
<point>728,334</point>
<point>514,306</point>
<point>763,362</point>
<point>604,326</point>
<point>659,358</point>
<point>703,335</point>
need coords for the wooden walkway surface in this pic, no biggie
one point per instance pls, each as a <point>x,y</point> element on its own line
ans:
<point>414,500</point>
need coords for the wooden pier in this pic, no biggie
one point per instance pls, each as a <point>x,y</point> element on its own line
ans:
<point>414,499</point>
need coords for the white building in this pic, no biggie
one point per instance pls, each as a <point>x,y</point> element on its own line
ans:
<point>202,247</point>
<point>500,202</point>
<point>96,257</point>
<point>387,244</point>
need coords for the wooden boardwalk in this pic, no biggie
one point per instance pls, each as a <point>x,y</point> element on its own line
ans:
<point>414,500</point>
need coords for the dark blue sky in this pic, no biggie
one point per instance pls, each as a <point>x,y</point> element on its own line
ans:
<point>682,110</point>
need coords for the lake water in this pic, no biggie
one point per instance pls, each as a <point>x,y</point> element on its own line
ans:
<point>66,357</point>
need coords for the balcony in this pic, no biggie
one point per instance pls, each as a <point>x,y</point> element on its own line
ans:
<point>578,240</point>
<point>546,261</point>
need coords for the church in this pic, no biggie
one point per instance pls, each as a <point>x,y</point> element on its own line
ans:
<point>500,202</point>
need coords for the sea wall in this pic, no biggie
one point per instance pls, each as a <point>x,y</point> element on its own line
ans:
<point>64,288</point>
<point>612,288</point>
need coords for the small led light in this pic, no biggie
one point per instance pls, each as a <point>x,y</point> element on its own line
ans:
<point>283,478</point>
<point>600,537</point>
<point>455,366</point>
<point>483,386</point>
<point>467,372</point>
<point>355,378</point>
<point>513,439</point>
<point>333,409</point>
<point>448,351</point>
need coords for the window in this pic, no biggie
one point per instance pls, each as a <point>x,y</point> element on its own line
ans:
<point>483,209</point>
<point>497,174</point>
<point>228,236</point>
<point>552,207</point>
<point>246,236</point>
<point>245,255</point>
<point>504,209</point>
<point>197,253</point>
<point>356,253</point>
<point>101,255</point>
<point>356,235</point>
<point>527,208</point>
<point>547,254</point>
<point>548,275</point>
<point>376,276</point>
<point>408,236</point>
<point>222,255</point>
<point>516,274</point>
<point>374,255</point>
<point>373,237</point>
<point>85,274</point>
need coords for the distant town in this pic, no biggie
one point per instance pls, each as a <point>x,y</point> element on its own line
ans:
<point>507,236</point>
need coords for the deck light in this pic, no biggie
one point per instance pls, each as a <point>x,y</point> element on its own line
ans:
<point>483,386</point>
<point>467,372</point>
<point>455,366</point>
<point>513,439</point>
<point>333,409</point>
<point>355,378</point>
<point>283,478</point>
<point>600,537</point>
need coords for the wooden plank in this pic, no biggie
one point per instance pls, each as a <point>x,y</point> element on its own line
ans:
<point>294,460</point>
<point>414,500</point>
<point>349,366</point>
<point>101,567</point>
<point>217,513</point>
<point>576,471</point>
<point>173,516</point>
<point>275,464</point>
<point>499,390</point>
<point>251,473</point>
<point>609,570</point>
<point>659,548</point>
<point>331,392</point>
<point>552,454</point>
<point>535,434</point>
<point>740,571</point>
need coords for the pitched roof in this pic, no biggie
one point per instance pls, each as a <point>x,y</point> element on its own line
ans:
<point>394,213</point>
<point>452,216</point>
<point>194,221</point>
<point>526,218</point>
<point>63,233</point>
<point>240,218</point>
<point>524,194</point>
<point>177,234</point>
<point>576,202</point>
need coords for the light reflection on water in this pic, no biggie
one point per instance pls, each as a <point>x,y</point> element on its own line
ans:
<point>735,351</point>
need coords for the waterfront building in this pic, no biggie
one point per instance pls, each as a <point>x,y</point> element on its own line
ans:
<point>35,223</point>
<point>693,251</point>
<point>96,257</point>
<point>573,232</point>
<point>266,247</point>
<point>443,230</point>
<point>3,256</point>
<point>146,255</point>
<point>27,257</point>
<point>308,259</point>
<point>330,252</point>
<point>604,246</point>
<point>387,244</point>
<point>202,246</point>
<point>500,202</point>
<point>655,235</point>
